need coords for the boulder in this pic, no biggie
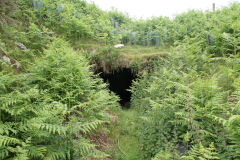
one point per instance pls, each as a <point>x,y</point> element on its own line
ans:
<point>119,46</point>
<point>21,46</point>
<point>14,63</point>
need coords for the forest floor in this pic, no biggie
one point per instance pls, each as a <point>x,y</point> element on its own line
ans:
<point>123,136</point>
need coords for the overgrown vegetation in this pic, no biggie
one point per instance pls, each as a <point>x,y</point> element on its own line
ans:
<point>49,108</point>
<point>185,102</point>
<point>189,103</point>
<point>48,112</point>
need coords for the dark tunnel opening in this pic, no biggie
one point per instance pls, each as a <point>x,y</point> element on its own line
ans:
<point>119,82</point>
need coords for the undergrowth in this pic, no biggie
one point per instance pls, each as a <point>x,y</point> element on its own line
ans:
<point>48,112</point>
<point>185,103</point>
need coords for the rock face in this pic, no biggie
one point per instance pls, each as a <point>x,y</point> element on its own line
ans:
<point>6,59</point>
<point>119,46</point>
<point>14,63</point>
<point>21,46</point>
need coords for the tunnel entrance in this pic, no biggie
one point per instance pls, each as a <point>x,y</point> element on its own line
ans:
<point>119,82</point>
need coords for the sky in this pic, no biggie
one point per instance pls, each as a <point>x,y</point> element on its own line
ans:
<point>148,8</point>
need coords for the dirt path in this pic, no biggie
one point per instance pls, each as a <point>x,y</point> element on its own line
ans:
<point>123,136</point>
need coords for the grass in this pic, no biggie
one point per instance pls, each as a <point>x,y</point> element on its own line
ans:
<point>139,50</point>
<point>109,59</point>
<point>123,136</point>
<point>132,54</point>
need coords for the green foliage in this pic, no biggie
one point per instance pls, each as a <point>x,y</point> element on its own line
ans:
<point>184,102</point>
<point>188,102</point>
<point>73,19</point>
<point>232,124</point>
<point>199,152</point>
<point>47,113</point>
<point>165,155</point>
<point>190,99</point>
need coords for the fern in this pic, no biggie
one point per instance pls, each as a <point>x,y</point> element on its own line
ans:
<point>181,108</point>
<point>6,141</point>
<point>49,114</point>
<point>199,152</point>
